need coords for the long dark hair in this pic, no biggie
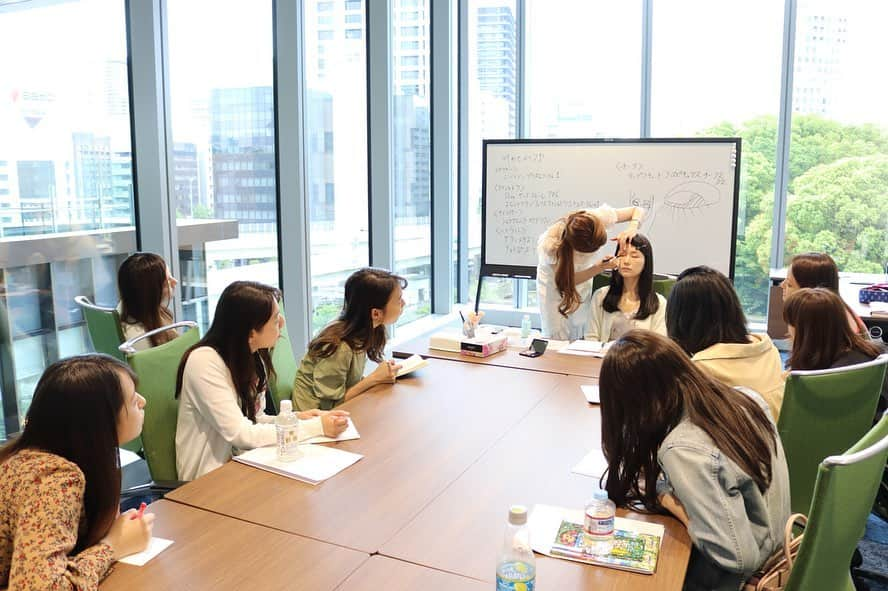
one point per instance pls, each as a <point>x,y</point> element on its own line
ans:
<point>141,279</point>
<point>822,333</point>
<point>648,385</point>
<point>365,290</point>
<point>583,232</point>
<point>815,269</point>
<point>74,415</point>
<point>648,301</point>
<point>242,307</point>
<point>704,310</point>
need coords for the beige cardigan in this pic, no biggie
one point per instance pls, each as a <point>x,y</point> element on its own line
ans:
<point>755,365</point>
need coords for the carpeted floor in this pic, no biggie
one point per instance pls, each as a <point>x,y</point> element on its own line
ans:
<point>874,547</point>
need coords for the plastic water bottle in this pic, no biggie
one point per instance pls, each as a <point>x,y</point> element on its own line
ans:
<point>516,567</point>
<point>287,424</point>
<point>525,326</point>
<point>599,523</point>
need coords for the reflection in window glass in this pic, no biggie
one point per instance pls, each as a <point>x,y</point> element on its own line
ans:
<point>491,114</point>
<point>222,176</point>
<point>583,68</point>
<point>65,177</point>
<point>335,157</point>
<point>411,157</point>
<point>838,161</point>
<point>695,93</point>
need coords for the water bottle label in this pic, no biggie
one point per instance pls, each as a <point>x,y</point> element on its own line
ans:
<point>515,576</point>
<point>507,585</point>
<point>599,526</point>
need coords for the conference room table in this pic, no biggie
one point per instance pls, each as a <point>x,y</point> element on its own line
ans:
<point>381,573</point>
<point>213,552</point>
<point>417,437</point>
<point>552,361</point>
<point>446,451</point>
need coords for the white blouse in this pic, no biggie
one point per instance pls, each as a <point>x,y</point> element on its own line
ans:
<point>556,326</point>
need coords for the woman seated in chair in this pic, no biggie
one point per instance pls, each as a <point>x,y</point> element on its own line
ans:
<point>818,269</point>
<point>677,440</point>
<point>145,287</point>
<point>705,318</point>
<point>60,480</point>
<point>822,338</point>
<point>222,380</point>
<point>630,300</point>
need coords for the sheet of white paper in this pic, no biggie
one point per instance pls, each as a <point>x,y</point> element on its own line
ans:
<point>593,464</point>
<point>587,346</point>
<point>351,432</point>
<point>591,392</point>
<point>557,345</point>
<point>127,457</point>
<point>155,547</point>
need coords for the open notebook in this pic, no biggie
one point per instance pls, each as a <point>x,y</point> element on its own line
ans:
<point>317,464</point>
<point>411,364</point>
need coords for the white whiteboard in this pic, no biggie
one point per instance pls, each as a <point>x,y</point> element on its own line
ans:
<point>688,188</point>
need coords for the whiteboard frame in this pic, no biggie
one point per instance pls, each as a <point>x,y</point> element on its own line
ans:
<point>523,272</point>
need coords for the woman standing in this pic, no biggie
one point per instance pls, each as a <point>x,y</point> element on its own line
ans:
<point>565,268</point>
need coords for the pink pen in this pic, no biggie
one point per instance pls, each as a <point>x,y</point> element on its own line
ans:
<point>140,512</point>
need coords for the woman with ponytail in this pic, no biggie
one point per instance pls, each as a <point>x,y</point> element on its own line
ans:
<point>565,269</point>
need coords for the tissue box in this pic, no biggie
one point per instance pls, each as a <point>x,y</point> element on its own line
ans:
<point>483,346</point>
<point>446,341</point>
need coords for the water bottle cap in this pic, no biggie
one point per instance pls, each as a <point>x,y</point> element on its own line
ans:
<point>518,515</point>
<point>286,407</point>
<point>600,495</point>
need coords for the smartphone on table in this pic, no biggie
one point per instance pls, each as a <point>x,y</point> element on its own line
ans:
<point>537,348</point>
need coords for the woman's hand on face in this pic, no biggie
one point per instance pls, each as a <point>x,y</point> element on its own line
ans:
<point>623,239</point>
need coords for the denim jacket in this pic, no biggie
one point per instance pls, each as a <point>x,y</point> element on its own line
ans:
<point>733,526</point>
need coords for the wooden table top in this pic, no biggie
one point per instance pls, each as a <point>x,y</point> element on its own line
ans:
<point>215,552</point>
<point>550,361</point>
<point>461,530</point>
<point>417,437</point>
<point>394,575</point>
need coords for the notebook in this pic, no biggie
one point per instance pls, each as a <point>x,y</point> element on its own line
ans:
<point>317,464</point>
<point>411,364</point>
<point>586,348</point>
<point>558,532</point>
<point>591,393</point>
<point>351,432</point>
<point>593,464</point>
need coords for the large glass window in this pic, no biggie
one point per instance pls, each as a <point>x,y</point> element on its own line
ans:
<point>66,195</point>
<point>222,176</point>
<point>411,154</point>
<point>335,155</point>
<point>491,113</point>
<point>709,93</point>
<point>838,161</point>
<point>583,68</point>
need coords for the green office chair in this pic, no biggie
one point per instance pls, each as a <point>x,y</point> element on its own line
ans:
<point>843,496</point>
<point>663,285</point>
<point>601,280</point>
<point>285,366</point>
<point>824,412</point>
<point>103,325</point>
<point>157,368</point>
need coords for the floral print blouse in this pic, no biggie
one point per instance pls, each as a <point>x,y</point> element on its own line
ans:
<point>41,512</point>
